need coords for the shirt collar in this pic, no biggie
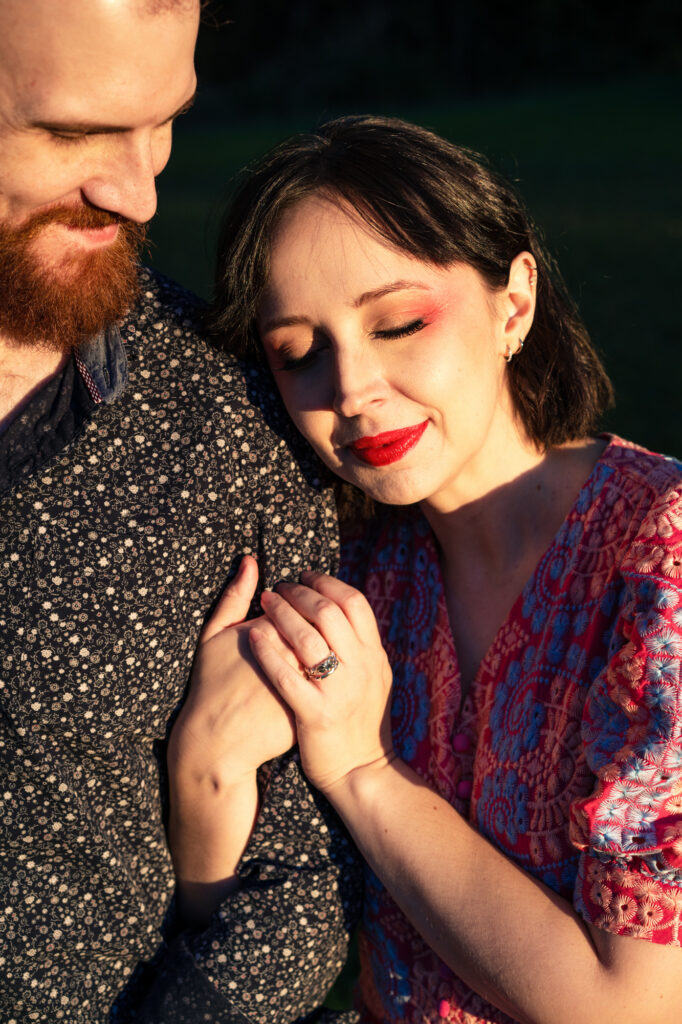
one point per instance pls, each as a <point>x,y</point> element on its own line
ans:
<point>103,365</point>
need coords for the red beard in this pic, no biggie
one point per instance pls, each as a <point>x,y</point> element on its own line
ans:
<point>61,304</point>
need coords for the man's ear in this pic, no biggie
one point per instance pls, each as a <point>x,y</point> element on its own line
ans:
<point>519,303</point>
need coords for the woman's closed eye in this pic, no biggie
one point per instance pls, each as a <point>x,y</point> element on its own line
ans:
<point>299,355</point>
<point>401,330</point>
<point>289,359</point>
<point>292,362</point>
<point>298,351</point>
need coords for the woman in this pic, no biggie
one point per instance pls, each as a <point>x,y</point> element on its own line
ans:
<point>520,804</point>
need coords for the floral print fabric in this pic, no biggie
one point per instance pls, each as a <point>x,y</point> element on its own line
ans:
<point>114,543</point>
<point>567,751</point>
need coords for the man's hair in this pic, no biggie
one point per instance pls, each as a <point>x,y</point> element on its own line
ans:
<point>440,203</point>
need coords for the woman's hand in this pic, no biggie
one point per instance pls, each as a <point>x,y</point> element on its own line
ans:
<point>231,722</point>
<point>511,938</point>
<point>343,720</point>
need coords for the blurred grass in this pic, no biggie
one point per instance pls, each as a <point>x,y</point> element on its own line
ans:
<point>600,169</point>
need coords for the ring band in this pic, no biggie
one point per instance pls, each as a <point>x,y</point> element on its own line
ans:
<point>323,668</point>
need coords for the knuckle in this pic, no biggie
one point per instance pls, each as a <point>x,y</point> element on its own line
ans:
<point>325,612</point>
<point>286,677</point>
<point>354,603</point>
<point>308,645</point>
<point>268,630</point>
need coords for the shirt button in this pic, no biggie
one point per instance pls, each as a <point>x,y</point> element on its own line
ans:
<point>461,742</point>
<point>444,1008</point>
<point>464,787</point>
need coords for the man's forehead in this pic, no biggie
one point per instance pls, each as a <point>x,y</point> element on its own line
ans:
<point>72,57</point>
<point>34,9</point>
<point>50,20</point>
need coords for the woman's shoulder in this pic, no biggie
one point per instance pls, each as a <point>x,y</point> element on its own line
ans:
<point>645,489</point>
<point>637,467</point>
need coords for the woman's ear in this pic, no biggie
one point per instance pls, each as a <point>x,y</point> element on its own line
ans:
<point>519,303</point>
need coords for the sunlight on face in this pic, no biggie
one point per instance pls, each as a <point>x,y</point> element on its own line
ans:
<point>88,92</point>
<point>392,368</point>
<point>88,95</point>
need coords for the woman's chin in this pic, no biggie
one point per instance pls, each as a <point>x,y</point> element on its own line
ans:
<point>387,488</point>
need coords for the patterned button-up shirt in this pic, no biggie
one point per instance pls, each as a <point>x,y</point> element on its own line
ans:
<point>124,507</point>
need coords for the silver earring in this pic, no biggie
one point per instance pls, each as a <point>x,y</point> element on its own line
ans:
<point>509,355</point>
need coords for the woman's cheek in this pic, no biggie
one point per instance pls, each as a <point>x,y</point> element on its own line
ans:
<point>317,426</point>
<point>427,368</point>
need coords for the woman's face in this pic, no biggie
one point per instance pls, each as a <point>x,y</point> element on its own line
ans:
<point>392,368</point>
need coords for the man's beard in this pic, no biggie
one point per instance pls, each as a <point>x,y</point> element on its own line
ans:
<point>61,303</point>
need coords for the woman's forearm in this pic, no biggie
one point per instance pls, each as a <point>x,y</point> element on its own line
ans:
<point>512,939</point>
<point>208,830</point>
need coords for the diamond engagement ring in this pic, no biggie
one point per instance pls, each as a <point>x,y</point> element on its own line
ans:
<point>323,668</point>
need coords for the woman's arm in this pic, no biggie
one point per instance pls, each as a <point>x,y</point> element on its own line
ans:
<point>511,938</point>
<point>292,896</point>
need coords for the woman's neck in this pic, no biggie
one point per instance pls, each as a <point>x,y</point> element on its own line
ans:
<point>489,521</point>
<point>491,545</point>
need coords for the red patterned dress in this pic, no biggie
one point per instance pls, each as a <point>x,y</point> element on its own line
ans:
<point>567,751</point>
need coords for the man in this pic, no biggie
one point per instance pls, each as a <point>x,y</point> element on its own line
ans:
<point>135,467</point>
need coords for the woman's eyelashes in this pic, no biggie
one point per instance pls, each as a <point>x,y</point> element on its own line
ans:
<point>292,362</point>
<point>401,331</point>
<point>289,361</point>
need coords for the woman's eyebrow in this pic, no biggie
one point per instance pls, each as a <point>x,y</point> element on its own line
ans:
<point>375,293</point>
<point>386,289</point>
<point>285,321</point>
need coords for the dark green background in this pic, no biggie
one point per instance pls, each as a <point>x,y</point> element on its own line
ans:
<point>581,108</point>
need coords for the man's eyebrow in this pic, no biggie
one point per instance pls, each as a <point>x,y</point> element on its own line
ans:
<point>386,289</point>
<point>187,105</point>
<point>95,127</point>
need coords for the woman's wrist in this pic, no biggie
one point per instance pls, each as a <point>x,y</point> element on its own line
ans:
<point>208,831</point>
<point>363,784</point>
<point>191,783</point>
<point>205,829</point>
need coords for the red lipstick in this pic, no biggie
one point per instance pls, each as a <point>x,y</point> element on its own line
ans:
<point>392,445</point>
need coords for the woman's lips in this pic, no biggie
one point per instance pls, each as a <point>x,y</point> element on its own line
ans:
<point>382,449</point>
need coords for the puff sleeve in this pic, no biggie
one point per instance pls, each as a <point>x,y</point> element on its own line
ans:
<point>629,828</point>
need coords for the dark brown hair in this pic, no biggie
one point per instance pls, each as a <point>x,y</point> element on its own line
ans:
<point>440,203</point>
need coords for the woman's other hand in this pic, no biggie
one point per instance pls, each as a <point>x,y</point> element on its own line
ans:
<point>343,720</point>
<point>232,721</point>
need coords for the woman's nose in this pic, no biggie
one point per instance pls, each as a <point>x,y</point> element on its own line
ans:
<point>359,382</point>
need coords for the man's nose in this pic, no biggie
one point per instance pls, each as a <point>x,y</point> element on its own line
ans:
<point>125,181</point>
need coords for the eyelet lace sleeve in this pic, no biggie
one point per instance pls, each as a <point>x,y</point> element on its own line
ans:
<point>630,828</point>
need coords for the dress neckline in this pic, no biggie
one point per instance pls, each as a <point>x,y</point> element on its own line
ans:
<point>466,701</point>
